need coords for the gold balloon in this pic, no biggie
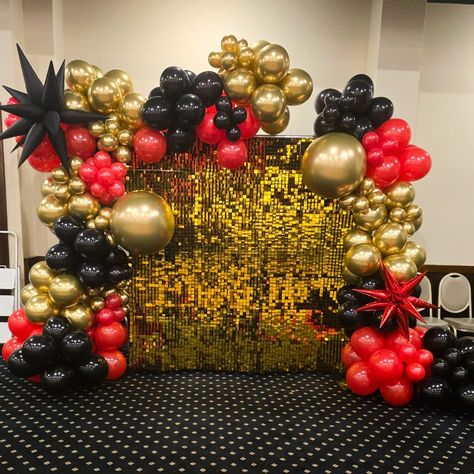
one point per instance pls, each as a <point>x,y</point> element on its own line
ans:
<point>40,308</point>
<point>416,252</point>
<point>215,58</point>
<point>62,192</point>
<point>366,187</point>
<point>363,259</point>
<point>104,95</point>
<point>390,238</point>
<point>229,43</point>
<point>97,128</point>
<point>59,175</point>
<point>123,154</point>
<point>85,206</point>
<point>222,73</point>
<point>142,222</point>
<point>398,214</point>
<point>112,125</point>
<point>130,110</point>
<point>414,212</point>
<point>401,266</point>
<point>278,125</point>
<point>40,276</point>
<point>97,303</point>
<point>90,224</point>
<point>268,103</point>
<point>50,209</point>
<point>377,198</point>
<point>272,63</point>
<point>346,202</point>
<point>409,228</point>
<point>107,142</point>
<point>122,79</point>
<point>297,86</point>
<point>80,316</point>
<point>110,239</point>
<point>355,237</point>
<point>98,71</point>
<point>229,61</point>
<point>417,222</point>
<point>360,204</point>
<point>242,43</point>
<point>76,101</point>
<point>47,187</point>
<point>106,212</point>
<point>28,292</point>
<point>259,45</point>
<point>246,57</point>
<point>125,137</point>
<point>65,290</point>
<point>74,165</point>
<point>400,194</point>
<point>77,186</point>
<point>334,165</point>
<point>349,277</point>
<point>240,84</point>
<point>371,219</point>
<point>124,298</point>
<point>80,75</point>
<point>101,222</point>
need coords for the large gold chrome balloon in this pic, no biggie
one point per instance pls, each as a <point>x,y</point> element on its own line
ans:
<point>122,79</point>
<point>240,84</point>
<point>416,252</point>
<point>278,125</point>
<point>390,238</point>
<point>349,277</point>
<point>85,206</point>
<point>297,86</point>
<point>371,219</point>
<point>400,194</point>
<point>28,292</point>
<point>65,290</point>
<point>104,95</point>
<point>268,103</point>
<point>272,63</point>
<point>355,237</point>
<point>98,71</point>
<point>40,308</point>
<point>259,45</point>
<point>130,109</point>
<point>363,259</point>
<point>80,75</point>
<point>40,276</point>
<point>142,222</point>
<point>76,101</point>
<point>334,165</point>
<point>50,209</point>
<point>401,266</point>
<point>80,316</point>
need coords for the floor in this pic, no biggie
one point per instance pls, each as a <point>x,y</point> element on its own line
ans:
<point>219,422</point>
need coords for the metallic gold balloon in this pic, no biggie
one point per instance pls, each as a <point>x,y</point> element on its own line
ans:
<point>101,222</point>
<point>76,101</point>
<point>222,73</point>
<point>98,70</point>
<point>74,165</point>
<point>130,110</point>
<point>28,292</point>
<point>417,222</point>
<point>110,239</point>
<point>50,209</point>
<point>97,128</point>
<point>278,125</point>
<point>229,43</point>
<point>97,303</point>
<point>241,44</point>
<point>390,238</point>
<point>48,186</point>
<point>360,204</point>
<point>106,212</point>
<point>90,224</point>
<point>80,75</point>
<point>80,316</point>
<point>85,206</point>
<point>401,266</point>
<point>355,237</point>
<point>112,125</point>
<point>246,57</point>
<point>125,137</point>
<point>259,45</point>
<point>377,198</point>
<point>107,142</point>
<point>416,252</point>
<point>123,154</point>
<point>349,277</point>
<point>272,64</point>
<point>268,103</point>
<point>40,308</point>
<point>366,187</point>
<point>229,61</point>
<point>363,259</point>
<point>334,165</point>
<point>65,290</point>
<point>62,192</point>
<point>104,95</point>
<point>91,292</point>
<point>124,298</point>
<point>371,219</point>
<point>142,222</point>
<point>215,58</point>
<point>409,228</point>
<point>240,84</point>
<point>77,186</point>
<point>400,194</point>
<point>297,86</point>
<point>398,214</point>
<point>346,202</point>
<point>40,276</point>
<point>59,175</point>
<point>414,212</point>
<point>122,79</point>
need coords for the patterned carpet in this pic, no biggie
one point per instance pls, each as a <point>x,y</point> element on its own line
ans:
<point>218,422</point>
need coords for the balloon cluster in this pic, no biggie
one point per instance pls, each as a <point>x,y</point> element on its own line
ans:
<point>261,75</point>
<point>355,110</point>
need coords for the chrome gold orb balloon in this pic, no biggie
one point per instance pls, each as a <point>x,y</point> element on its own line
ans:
<point>272,64</point>
<point>40,308</point>
<point>371,219</point>
<point>363,259</point>
<point>85,206</point>
<point>355,237</point>
<point>97,129</point>
<point>215,58</point>
<point>130,110</point>
<point>415,252</point>
<point>65,290</point>
<point>297,86</point>
<point>122,79</point>
<point>104,95</point>
<point>268,103</point>
<point>47,187</point>
<point>229,43</point>
<point>240,84</point>
<point>401,266</point>
<point>76,101</point>
<point>40,276</point>
<point>390,238</point>
<point>80,75</point>
<point>80,316</point>
<point>349,277</point>
<point>28,292</point>
<point>400,194</point>
<point>278,125</point>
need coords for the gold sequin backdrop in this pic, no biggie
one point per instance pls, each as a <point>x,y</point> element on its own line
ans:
<point>249,281</point>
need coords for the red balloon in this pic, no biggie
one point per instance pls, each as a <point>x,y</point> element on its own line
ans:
<point>119,314</point>
<point>43,165</point>
<point>250,126</point>
<point>415,163</point>
<point>370,140</point>
<point>396,340</point>
<point>79,142</point>
<point>20,326</point>
<point>408,353</point>
<point>395,129</point>
<point>389,147</point>
<point>113,301</point>
<point>149,145</point>
<point>10,120</point>
<point>425,357</point>
<point>207,132</point>
<point>385,174</point>
<point>102,160</point>
<point>421,330</point>
<point>105,317</point>
<point>105,176</point>
<point>375,158</point>
<point>360,380</point>
<point>231,155</point>
<point>88,171</point>
<point>397,393</point>
<point>116,362</point>
<point>349,356</point>
<point>11,346</point>
<point>365,341</point>
<point>35,379</point>
<point>119,170</point>
<point>415,372</point>
<point>385,366</point>
<point>45,150</point>
<point>116,189</point>
<point>111,336</point>
<point>98,190</point>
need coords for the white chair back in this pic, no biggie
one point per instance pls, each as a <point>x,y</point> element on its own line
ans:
<point>454,294</point>
<point>426,295</point>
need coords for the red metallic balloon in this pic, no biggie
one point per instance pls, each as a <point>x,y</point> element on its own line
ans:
<point>415,372</point>
<point>425,357</point>
<point>113,301</point>
<point>396,340</point>
<point>397,393</point>
<point>408,353</point>
<point>385,366</point>
<point>349,356</point>
<point>395,129</point>
<point>149,145</point>
<point>365,341</point>
<point>207,132</point>
<point>415,163</point>
<point>79,142</point>
<point>360,380</point>
<point>116,362</point>
<point>231,155</point>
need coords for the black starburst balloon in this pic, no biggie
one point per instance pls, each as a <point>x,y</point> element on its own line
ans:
<point>41,110</point>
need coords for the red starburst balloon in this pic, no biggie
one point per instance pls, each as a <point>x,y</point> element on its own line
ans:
<point>396,300</point>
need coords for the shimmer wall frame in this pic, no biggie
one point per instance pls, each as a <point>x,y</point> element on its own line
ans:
<point>249,281</point>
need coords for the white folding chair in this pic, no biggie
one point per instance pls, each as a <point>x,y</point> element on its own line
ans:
<point>454,295</point>
<point>427,295</point>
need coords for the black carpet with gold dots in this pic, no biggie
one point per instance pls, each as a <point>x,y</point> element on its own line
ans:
<point>220,422</point>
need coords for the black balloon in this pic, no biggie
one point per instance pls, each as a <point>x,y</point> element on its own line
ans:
<point>350,318</point>
<point>66,228</point>
<point>191,75</point>
<point>330,113</point>
<point>435,391</point>
<point>94,369</point>
<point>61,257</point>
<point>180,140</point>
<point>91,245</point>
<point>233,134</point>
<point>417,291</point>
<point>380,110</point>
<point>347,294</point>
<point>208,86</point>
<point>320,102</point>
<point>466,396</point>
<point>117,273</point>
<point>76,347</point>
<point>321,127</point>
<point>224,104</point>
<point>58,378</point>
<point>222,120</point>
<point>362,77</point>
<point>57,327</point>
<point>347,122</point>
<point>371,283</point>
<point>40,350</point>
<point>158,113</point>
<point>20,367</point>
<point>469,364</point>
<point>440,368</point>
<point>92,274</point>
<point>362,126</point>
<point>459,376</point>
<point>174,83</point>
<point>190,109</point>
<point>452,356</point>
<point>362,91</point>
<point>437,340</point>
<point>466,346</point>
<point>156,92</point>
<point>116,256</point>
<point>347,102</point>
<point>375,318</point>
<point>239,114</point>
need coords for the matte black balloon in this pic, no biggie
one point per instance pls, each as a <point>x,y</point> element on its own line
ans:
<point>93,370</point>
<point>116,256</point>
<point>180,140</point>
<point>91,244</point>
<point>92,274</point>
<point>375,318</point>
<point>20,367</point>
<point>239,114</point>
<point>412,322</point>
<point>437,340</point>
<point>208,86</point>
<point>224,104</point>
<point>174,83</point>
<point>362,126</point>
<point>190,109</point>
<point>76,347</point>
<point>191,75</point>
<point>156,92</point>
<point>330,113</point>
<point>57,327</point>
<point>66,228</point>
<point>40,350</point>
<point>58,378</point>
<point>466,346</point>
<point>233,134</point>
<point>362,77</point>
<point>61,257</point>
<point>417,291</point>
<point>466,396</point>
<point>346,294</point>
<point>351,318</point>
<point>380,110</point>
<point>347,102</point>
<point>158,113</point>
<point>435,391</point>
<point>222,120</point>
<point>320,102</point>
<point>440,368</point>
<point>363,93</point>
<point>452,356</point>
<point>321,127</point>
<point>347,122</point>
<point>459,376</point>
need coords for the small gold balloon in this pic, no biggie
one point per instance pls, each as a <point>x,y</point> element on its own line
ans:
<point>246,57</point>
<point>97,303</point>
<point>98,71</point>
<point>112,126</point>
<point>268,103</point>
<point>222,73</point>
<point>90,224</point>
<point>106,212</point>
<point>123,154</point>
<point>346,202</point>
<point>107,142</point>
<point>229,61</point>
<point>65,290</point>
<point>334,165</point>
<point>110,239</point>
<point>242,43</point>
<point>297,86</point>
<point>398,214</point>
<point>409,228</point>
<point>124,298</point>
<point>97,128</point>
<point>229,43</point>
<point>28,292</point>
<point>91,292</point>
<point>400,194</point>
<point>106,293</point>
<point>80,75</point>
<point>402,267</point>
<point>62,192</point>
<point>76,101</point>
<point>278,125</point>
<point>125,137</point>
<point>355,237</point>
<point>101,222</point>
<point>416,252</point>
<point>77,186</point>
<point>40,276</point>
<point>74,164</point>
<point>363,259</point>
<point>130,110</point>
<point>349,277</point>
<point>40,308</point>
<point>366,187</point>
<point>390,238</point>
<point>377,198</point>
<point>272,64</point>
<point>371,219</point>
<point>259,45</point>
<point>80,316</point>
<point>215,58</point>
<point>50,209</point>
<point>122,79</point>
<point>104,95</point>
<point>142,222</point>
<point>59,175</point>
<point>417,222</point>
<point>48,186</point>
<point>361,204</point>
<point>414,212</point>
<point>240,84</point>
<point>85,206</point>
